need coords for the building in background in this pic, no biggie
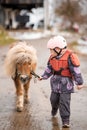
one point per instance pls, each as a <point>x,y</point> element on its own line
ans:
<point>34,13</point>
<point>18,13</point>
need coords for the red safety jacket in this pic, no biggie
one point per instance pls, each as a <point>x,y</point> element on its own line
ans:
<point>60,66</point>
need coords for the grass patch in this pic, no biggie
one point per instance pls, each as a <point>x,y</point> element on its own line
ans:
<point>4,38</point>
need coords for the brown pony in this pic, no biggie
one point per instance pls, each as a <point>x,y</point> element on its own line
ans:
<point>20,62</point>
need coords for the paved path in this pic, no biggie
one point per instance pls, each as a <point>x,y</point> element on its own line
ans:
<point>36,115</point>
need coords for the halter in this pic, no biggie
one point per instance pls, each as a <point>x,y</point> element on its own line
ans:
<point>18,74</point>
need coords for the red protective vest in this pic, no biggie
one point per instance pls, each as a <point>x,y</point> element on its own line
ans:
<point>61,64</point>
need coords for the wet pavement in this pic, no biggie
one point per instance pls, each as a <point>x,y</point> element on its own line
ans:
<point>36,115</point>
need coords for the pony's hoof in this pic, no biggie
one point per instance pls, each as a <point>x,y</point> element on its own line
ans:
<point>19,109</point>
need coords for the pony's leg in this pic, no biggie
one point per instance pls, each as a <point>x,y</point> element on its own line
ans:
<point>20,96</point>
<point>26,88</point>
<point>19,103</point>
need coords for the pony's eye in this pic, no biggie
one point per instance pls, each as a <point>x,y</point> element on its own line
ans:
<point>29,63</point>
<point>19,64</point>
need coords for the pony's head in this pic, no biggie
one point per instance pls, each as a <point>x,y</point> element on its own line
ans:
<point>21,59</point>
<point>23,72</point>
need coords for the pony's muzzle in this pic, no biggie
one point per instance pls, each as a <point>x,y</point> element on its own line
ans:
<point>24,78</point>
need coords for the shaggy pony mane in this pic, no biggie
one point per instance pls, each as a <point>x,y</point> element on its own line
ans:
<point>19,53</point>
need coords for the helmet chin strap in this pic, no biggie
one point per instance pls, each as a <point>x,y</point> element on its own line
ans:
<point>58,53</point>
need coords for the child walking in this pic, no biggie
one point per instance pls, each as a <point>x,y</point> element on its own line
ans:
<point>63,70</point>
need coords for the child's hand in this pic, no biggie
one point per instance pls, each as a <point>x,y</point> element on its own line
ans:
<point>40,78</point>
<point>79,87</point>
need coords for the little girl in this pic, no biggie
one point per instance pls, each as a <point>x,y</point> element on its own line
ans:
<point>63,68</point>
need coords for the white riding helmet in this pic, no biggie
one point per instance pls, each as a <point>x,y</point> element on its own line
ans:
<point>57,41</point>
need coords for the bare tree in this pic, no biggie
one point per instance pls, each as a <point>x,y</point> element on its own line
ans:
<point>70,10</point>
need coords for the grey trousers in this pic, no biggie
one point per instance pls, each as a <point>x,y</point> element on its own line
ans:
<point>61,101</point>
